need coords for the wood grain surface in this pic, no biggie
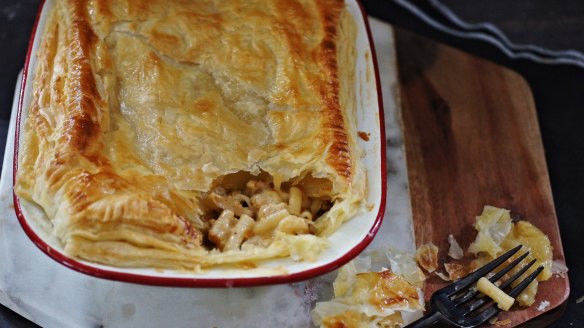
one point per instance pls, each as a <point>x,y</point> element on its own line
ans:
<point>472,139</point>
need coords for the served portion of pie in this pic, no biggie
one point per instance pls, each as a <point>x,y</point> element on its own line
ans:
<point>189,134</point>
<point>497,234</point>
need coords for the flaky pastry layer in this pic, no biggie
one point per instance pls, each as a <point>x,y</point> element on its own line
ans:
<point>141,108</point>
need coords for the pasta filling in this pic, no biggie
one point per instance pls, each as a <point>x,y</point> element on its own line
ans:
<point>238,217</point>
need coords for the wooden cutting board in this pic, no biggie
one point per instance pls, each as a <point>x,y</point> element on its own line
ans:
<point>472,138</point>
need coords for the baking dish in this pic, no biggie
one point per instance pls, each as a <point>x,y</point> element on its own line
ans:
<point>346,243</point>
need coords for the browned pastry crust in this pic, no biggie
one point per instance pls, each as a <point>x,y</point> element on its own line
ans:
<point>141,108</point>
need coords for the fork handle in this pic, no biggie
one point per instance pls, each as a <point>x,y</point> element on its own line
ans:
<point>428,320</point>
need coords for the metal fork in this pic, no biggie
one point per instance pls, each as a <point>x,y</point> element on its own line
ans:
<point>458,305</point>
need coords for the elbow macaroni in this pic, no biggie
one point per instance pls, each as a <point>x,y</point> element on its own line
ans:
<point>255,218</point>
<point>504,301</point>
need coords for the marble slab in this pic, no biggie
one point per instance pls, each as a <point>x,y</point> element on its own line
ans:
<point>51,295</point>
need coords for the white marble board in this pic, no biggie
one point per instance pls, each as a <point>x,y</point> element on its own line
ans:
<point>52,295</point>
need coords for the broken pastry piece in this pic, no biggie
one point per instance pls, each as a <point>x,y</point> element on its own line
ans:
<point>368,299</point>
<point>427,257</point>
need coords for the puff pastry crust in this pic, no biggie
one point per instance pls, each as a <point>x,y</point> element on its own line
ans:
<point>140,109</point>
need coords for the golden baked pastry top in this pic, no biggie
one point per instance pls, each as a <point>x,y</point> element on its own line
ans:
<point>186,134</point>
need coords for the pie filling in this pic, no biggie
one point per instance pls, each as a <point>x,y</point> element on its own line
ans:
<point>240,215</point>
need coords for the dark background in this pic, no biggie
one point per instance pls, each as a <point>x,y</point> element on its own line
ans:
<point>558,91</point>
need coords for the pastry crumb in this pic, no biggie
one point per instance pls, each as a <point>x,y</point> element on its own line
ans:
<point>455,251</point>
<point>559,269</point>
<point>364,135</point>
<point>543,305</point>
<point>495,322</point>
<point>502,323</point>
<point>427,257</point>
<point>455,270</point>
<point>442,276</point>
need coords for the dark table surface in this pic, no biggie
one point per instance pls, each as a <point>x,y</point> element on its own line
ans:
<point>558,90</point>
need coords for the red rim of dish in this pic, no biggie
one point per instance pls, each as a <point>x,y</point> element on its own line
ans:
<point>201,282</point>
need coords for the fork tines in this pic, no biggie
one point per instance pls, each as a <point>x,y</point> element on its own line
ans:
<point>461,305</point>
<point>476,275</point>
<point>464,299</point>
